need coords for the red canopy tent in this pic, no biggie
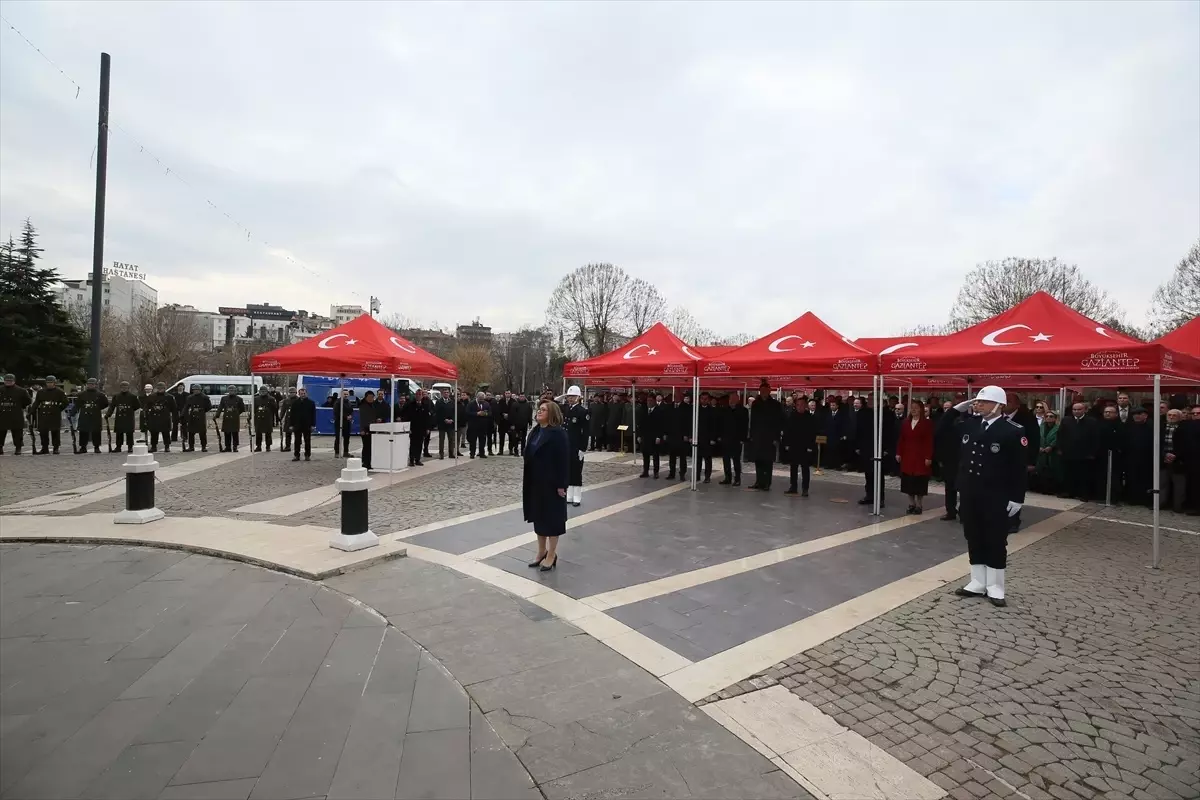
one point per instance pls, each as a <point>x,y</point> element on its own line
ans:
<point>1184,339</point>
<point>361,347</point>
<point>804,347</point>
<point>658,356</point>
<point>1041,338</point>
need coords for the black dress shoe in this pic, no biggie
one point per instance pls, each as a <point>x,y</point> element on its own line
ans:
<point>804,493</point>
<point>726,482</point>
<point>544,568</point>
<point>866,501</point>
<point>792,490</point>
<point>967,593</point>
<point>537,563</point>
<point>997,601</point>
<point>644,475</point>
<point>948,517</point>
<point>737,481</point>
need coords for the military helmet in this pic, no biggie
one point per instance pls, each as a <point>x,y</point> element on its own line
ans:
<point>160,385</point>
<point>124,385</point>
<point>8,376</point>
<point>93,382</point>
<point>51,379</point>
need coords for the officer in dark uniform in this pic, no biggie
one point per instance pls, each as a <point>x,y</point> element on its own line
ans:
<point>230,409</point>
<point>577,419</point>
<point>991,485</point>
<point>194,413</point>
<point>125,405</point>
<point>47,411</point>
<point>285,418</point>
<point>266,412</point>
<point>159,411</point>
<point>13,402</point>
<point>91,402</point>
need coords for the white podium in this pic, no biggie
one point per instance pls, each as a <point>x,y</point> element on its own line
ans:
<point>389,446</point>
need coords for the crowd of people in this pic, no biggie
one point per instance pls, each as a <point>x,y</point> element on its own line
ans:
<point>1069,457</point>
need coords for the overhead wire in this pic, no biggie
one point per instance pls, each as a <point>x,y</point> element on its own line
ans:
<point>279,251</point>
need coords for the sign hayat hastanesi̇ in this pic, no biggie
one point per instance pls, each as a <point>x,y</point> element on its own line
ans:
<point>130,272</point>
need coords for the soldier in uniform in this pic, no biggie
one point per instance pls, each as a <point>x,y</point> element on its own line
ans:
<point>47,411</point>
<point>285,418</point>
<point>266,413</point>
<point>230,410</point>
<point>91,402</point>
<point>577,420</point>
<point>13,402</point>
<point>158,413</point>
<point>124,404</point>
<point>194,415</point>
<point>991,485</point>
<point>177,419</point>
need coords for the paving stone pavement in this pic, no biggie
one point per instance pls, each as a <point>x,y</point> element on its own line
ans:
<point>1087,685</point>
<point>476,485</point>
<point>24,477</point>
<point>139,673</point>
<point>586,723</point>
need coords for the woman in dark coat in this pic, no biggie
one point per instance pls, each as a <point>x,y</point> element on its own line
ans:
<point>544,482</point>
<point>914,453</point>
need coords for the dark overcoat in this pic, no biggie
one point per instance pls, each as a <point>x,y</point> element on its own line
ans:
<point>547,462</point>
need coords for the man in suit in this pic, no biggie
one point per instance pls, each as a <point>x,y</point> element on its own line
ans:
<point>1019,414</point>
<point>651,419</point>
<point>946,447</point>
<point>478,414</point>
<point>1078,445</point>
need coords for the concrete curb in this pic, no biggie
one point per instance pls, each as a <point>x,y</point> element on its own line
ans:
<point>209,551</point>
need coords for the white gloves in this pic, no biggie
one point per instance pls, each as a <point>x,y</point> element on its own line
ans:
<point>581,455</point>
<point>1013,508</point>
<point>963,406</point>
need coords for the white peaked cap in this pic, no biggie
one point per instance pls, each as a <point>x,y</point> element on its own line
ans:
<point>574,392</point>
<point>992,394</point>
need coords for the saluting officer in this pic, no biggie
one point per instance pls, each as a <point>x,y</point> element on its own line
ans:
<point>991,485</point>
<point>576,418</point>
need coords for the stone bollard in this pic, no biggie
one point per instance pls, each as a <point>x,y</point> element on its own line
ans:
<point>139,489</point>
<point>355,533</point>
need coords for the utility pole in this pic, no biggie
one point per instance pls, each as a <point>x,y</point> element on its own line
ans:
<point>98,230</point>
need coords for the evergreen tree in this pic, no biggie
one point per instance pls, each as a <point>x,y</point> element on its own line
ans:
<point>36,334</point>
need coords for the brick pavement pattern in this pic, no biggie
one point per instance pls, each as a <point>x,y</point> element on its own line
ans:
<point>138,673</point>
<point>1086,686</point>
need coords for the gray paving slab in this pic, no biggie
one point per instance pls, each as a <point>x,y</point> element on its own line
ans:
<point>369,766</point>
<point>739,608</point>
<point>436,765</point>
<point>219,790</point>
<point>481,532</point>
<point>141,772</point>
<point>439,703</point>
<point>689,530</point>
<point>496,773</point>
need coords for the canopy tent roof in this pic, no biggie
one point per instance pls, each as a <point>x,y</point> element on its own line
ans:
<point>886,345</point>
<point>657,353</point>
<point>804,347</point>
<point>361,346</point>
<point>1184,339</point>
<point>1042,337</point>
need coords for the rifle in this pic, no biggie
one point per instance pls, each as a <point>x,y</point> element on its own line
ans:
<point>108,430</point>
<point>217,431</point>
<point>71,426</point>
<point>33,435</point>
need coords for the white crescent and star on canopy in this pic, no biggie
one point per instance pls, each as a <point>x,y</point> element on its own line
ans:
<point>1103,332</point>
<point>324,344</point>
<point>632,353</point>
<point>777,345</point>
<point>888,351</point>
<point>689,353</point>
<point>993,338</point>
<point>406,348</point>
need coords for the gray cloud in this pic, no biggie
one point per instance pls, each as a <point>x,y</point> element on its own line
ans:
<point>753,160</point>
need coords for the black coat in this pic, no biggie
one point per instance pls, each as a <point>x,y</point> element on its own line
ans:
<point>651,424</point>
<point>735,424</point>
<point>124,405</point>
<point>13,402</point>
<point>195,407</point>
<point>612,419</point>
<point>159,411</point>
<point>766,425</point>
<point>478,414</point>
<point>1033,432</point>
<point>680,436</point>
<point>547,457</point>
<point>91,404</point>
<point>800,437</point>
<point>707,429</point>
<point>947,442</point>
<point>47,408</point>
<point>598,410</point>
<point>1079,439</point>
<point>302,414</point>
<point>443,410</point>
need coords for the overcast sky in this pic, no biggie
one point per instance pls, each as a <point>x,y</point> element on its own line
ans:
<point>753,160</point>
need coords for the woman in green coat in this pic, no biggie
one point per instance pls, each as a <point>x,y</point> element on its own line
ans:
<point>1048,470</point>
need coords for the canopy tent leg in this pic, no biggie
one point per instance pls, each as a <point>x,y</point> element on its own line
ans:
<point>1155,491</point>
<point>253,400</point>
<point>695,429</point>
<point>877,477</point>
<point>391,423</point>
<point>454,433</point>
<point>633,401</point>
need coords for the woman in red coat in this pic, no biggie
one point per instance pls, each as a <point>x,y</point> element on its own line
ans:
<point>914,451</point>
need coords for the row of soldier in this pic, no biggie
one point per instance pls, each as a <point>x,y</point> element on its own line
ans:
<point>161,416</point>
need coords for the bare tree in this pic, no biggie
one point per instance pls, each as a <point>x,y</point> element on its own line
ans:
<point>474,364</point>
<point>161,344</point>
<point>1178,300</point>
<point>646,306</point>
<point>734,340</point>
<point>686,327</point>
<point>522,358</point>
<point>589,306</point>
<point>398,322</point>
<point>927,329</point>
<point>994,287</point>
